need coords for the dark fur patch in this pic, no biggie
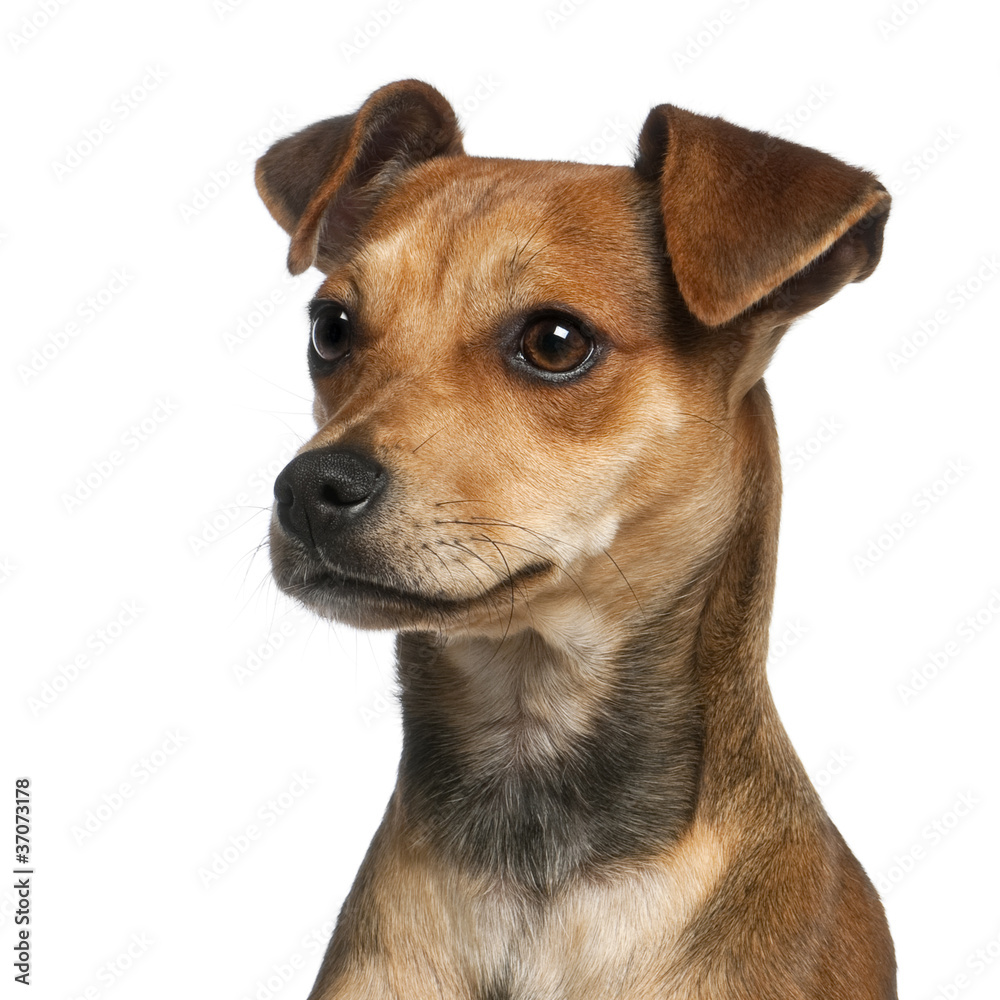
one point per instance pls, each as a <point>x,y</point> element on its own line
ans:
<point>623,790</point>
<point>496,987</point>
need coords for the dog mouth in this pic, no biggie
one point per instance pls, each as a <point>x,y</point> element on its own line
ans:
<point>365,602</point>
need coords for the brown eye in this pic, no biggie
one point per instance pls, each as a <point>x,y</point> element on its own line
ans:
<point>331,332</point>
<point>555,346</point>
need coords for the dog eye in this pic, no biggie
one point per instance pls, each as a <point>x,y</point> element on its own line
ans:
<point>555,346</point>
<point>331,332</point>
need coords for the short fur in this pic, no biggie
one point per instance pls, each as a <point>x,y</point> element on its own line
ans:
<point>596,797</point>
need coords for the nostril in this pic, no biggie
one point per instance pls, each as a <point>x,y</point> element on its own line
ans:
<point>319,492</point>
<point>346,479</point>
<point>350,484</point>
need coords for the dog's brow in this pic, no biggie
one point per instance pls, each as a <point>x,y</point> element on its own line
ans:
<point>517,261</point>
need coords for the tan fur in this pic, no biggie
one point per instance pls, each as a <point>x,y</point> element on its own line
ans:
<point>441,925</point>
<point>587,557</point>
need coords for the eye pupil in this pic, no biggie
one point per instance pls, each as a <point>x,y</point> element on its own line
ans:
<point>556,346</point>
<point>331,332</point>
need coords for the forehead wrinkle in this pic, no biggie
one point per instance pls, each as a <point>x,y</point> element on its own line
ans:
<point>479,247</point>
<point>442,264</point>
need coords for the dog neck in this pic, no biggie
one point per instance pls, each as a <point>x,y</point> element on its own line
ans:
<point>535,758</point>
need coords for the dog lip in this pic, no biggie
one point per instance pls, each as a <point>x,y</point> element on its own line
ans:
<point>360,588</point>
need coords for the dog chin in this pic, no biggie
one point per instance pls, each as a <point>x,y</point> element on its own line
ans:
<point>365,605</point>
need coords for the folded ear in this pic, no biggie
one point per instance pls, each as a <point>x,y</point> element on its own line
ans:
<point>756,223</point>
<point>322,183</point>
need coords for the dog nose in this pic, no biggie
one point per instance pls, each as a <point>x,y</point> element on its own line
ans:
<point>321,491</point>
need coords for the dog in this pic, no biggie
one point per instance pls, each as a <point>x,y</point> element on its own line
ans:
<point>546,457</point>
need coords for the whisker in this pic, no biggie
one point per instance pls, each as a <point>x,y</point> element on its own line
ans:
<point>256,508</point>
<point>642,610</point>
<point>305,399</point>
<point>425,440</point>
<point>465,548</point>
<point>510,580</point>
<point>558,566</point>
<point>698,416</point>
<point>550,539</point>
<point>493,522</point>
<point>250,556</point>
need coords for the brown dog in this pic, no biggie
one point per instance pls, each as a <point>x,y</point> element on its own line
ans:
<point>546,456</point>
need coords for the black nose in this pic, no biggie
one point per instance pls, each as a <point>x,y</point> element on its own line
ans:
<point>320,492</point>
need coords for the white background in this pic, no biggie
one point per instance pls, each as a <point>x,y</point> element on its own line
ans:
<point>119,907</point>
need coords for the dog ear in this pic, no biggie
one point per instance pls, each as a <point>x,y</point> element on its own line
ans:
<point>322,183</point>
<point>757,226</point>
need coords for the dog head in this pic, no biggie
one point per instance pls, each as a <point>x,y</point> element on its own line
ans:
<point>531,377</point>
